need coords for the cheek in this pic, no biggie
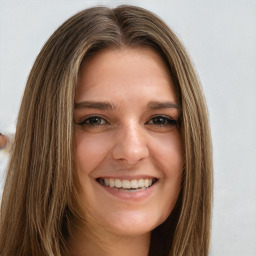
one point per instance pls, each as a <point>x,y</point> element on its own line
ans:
<point>90,150</point>
<point>168,157</point>
<point>168,153</point>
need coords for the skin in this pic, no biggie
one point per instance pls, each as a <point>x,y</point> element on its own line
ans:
<point>133,136</point>
<point>3,141</point>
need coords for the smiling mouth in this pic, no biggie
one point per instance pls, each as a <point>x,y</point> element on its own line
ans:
<point>127,185</point>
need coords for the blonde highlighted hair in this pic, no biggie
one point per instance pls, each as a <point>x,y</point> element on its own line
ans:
<point>39,198</point>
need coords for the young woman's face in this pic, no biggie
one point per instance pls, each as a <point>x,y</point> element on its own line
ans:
<point>128,147</point>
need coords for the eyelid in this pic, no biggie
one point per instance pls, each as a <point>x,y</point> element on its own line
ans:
<point>85,119</point>
<point>172,121</point>
<point>169,121</point>
<point>163,116</point>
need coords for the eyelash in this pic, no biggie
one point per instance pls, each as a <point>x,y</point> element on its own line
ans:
<point>165,121</point>
<point>91,118</point>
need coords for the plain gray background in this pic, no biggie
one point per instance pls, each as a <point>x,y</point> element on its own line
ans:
<point>220,36</point>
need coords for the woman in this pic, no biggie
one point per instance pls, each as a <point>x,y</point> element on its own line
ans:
<point>112,153</point>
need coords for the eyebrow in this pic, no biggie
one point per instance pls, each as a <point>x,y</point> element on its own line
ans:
<point>155,105</point>
<point>104,105</point>
<point>95,105</point>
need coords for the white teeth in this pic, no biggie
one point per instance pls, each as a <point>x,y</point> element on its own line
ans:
<point>134,184</point>
<point>141,183</point>
<point>146,183</point>
<point>111,183</point>
<point>118,183</point>
<point>127,184</point>
<point>107,182</point>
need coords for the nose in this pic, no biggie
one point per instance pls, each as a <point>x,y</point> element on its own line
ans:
<point>130,144</point>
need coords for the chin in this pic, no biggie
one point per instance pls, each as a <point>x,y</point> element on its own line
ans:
<point>133,223</point>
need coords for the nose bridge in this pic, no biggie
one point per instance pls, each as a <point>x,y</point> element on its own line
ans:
<point>130,144</point>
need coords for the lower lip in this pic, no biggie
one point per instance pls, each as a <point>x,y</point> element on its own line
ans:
<point>130,195</point>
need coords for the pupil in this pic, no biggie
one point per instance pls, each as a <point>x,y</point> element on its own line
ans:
<point>94,120</point>
<point>159,120</point>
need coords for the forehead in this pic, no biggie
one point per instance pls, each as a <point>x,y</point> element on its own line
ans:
<point>119,71</point>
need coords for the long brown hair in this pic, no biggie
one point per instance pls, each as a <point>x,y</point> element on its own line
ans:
<point>39,198</point>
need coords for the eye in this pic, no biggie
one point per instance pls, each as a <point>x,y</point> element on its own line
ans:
<point>162,121</point>
<point>93,121</point>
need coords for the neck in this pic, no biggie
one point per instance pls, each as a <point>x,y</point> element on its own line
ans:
<point>104,243</point>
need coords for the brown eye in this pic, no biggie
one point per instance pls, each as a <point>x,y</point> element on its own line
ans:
<point>162,121</point>
<point>93,121</point>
